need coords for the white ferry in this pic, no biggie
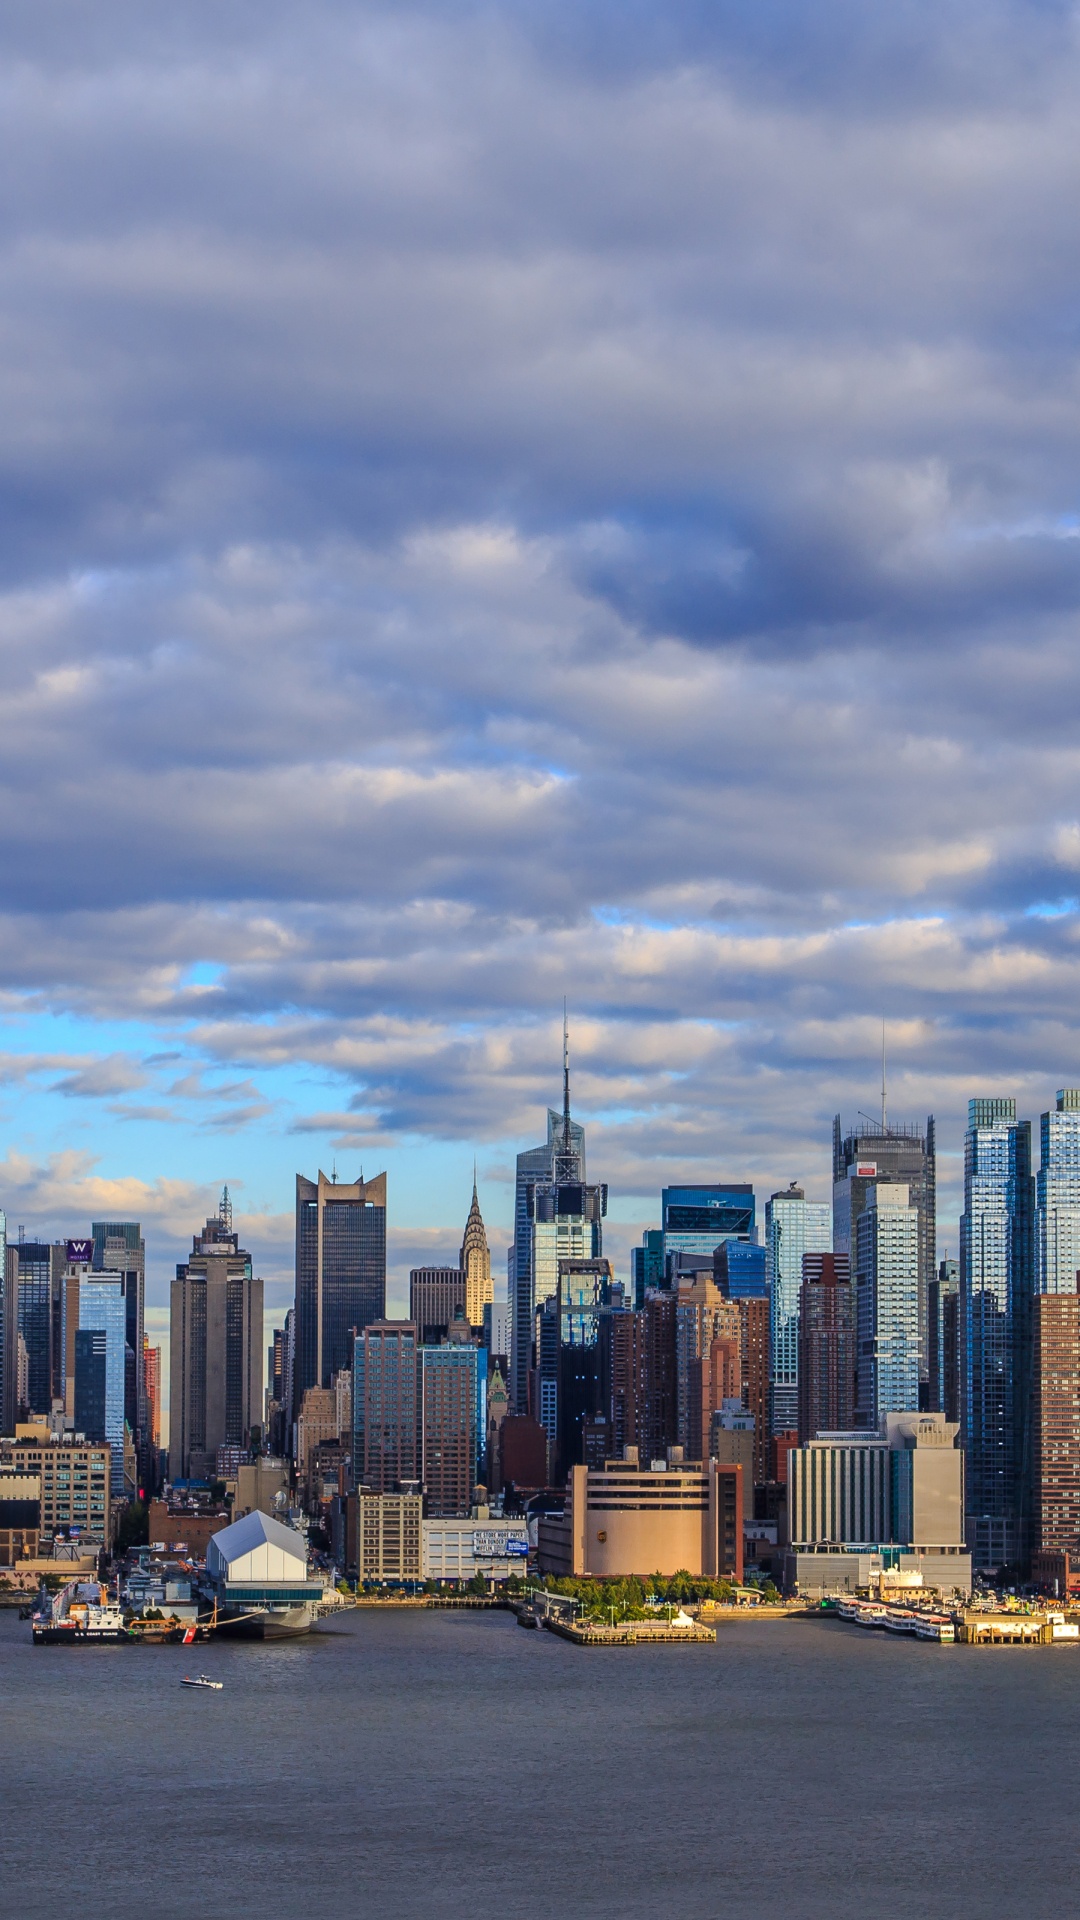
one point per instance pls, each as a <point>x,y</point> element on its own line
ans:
<point>935,1626</point>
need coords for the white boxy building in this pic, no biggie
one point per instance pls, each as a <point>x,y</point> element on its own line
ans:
<point>258,1571</point>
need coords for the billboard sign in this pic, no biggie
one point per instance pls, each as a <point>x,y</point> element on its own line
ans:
<point>80,1253</point>
<point>866,1170</point>
<point>490,1545</point>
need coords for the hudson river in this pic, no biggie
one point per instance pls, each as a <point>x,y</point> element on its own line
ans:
<point>449,1764</point>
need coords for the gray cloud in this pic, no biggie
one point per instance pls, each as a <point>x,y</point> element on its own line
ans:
<point>558,500</point>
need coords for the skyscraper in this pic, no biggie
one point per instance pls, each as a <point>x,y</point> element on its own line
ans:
<point>119,1248</point>
<point>100,1349</point>
<point>995,1292</point>
<point>476,1265</point>
<point>1055,1513</point>
<point>702,1316</point>
<point>794,1225</point>
<point>826,1346</point>
<point>904,1155</point>
<point>452,1382</point>
<point>943,1339</point>
<point>557,1217</point>
<point>216,1350</point>
<point>340,1273</point>
<point>152,1377</point>
<point>33,1270</point>
<point>1057,1197</point>
<point>696,1220</point>
<point>385,1406</point>
<point>436,1297</point>
<point>886,1304</point>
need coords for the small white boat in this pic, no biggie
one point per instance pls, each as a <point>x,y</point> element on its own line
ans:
<point>204,1680</point>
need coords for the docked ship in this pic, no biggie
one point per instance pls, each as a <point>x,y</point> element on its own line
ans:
<point>80,1612</point>
<point>257,1580</point>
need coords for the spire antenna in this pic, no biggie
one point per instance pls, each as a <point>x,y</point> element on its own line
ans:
<point>565,1079</point>
<point>883,1105</point>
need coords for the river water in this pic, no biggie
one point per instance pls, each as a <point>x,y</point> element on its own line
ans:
<point>449,1764</point>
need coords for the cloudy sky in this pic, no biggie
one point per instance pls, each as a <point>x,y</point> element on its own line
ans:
<point>517,500</point>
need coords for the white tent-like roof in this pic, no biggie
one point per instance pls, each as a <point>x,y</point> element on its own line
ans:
<point>257,1549</point>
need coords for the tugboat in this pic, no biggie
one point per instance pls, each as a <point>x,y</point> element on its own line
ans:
<point>203,1680</point>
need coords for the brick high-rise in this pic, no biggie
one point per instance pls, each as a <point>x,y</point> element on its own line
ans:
<point>1055,1509</point>
<point>826,1346</point>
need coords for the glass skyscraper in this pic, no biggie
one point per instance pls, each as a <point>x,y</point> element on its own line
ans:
<point>995,1294</point>
<point>696,1220</point>
<point>906,1154</point>
<point>102,1310</point>
<point>340,1273</point>
<point>1057,1197</point>
<point>536,1167</point>
<point>794,1225</point>
<point>886,1305</point>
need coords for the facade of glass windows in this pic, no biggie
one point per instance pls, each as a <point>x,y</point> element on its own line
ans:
<point>102,1310</point>
<point>34,1264</point>
<point>697,1219</point>
<point>995,1294</point>
<point>536,1167</point>
<point>386,1439</point>
<point>647,1264</point>
<point>905,1155</point>
<point>452,1410</point>
<point>119,1248</point>
<point>886,1306</point>
<point>340,1273</point>
<point>793,1226</point>
<point>1057,1197</point>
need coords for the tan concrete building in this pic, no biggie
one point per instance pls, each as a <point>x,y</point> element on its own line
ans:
<point>75,1480</point>
<point>318,1421</point>
<point>20,1517</point>
<point>258,1483</point>
<point>383,1536</point>
<point>668,1517</point>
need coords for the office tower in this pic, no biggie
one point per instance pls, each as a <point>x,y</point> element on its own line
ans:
<point>436,1297</point>
<point>904,1156</point>
<point>702,1315</point>
<point>903,1486</point>
<point>316,1422</point>
<point>622,1334</point>
<point>1055,1509</point>
<point>100,1350</point>
<point>340,1273</point>
<point>826,1346</point>
<point>658,1397</point>
<point>647,1265</point>
<point>943,1339</point>
<point>216,1358</point>
<point>498,1404</point>
<point>740,1270</point>
<point>755,1367</point>
<point>386,1389</point>
<point>451,1419</point>
<point>582,1383</point>
<point>119,1248</point>
<point>793,1226</point>
<point>33,1268</point>
<point>721,1387</point>
<point>886,1304</point>
<point>996,1256</point>
<point>152,1377</point>
<point>558,1217</point>
<point>476,1265</point>
<point>697,1219</point>
<point>535,1167</point>
<point>1057,1196</point>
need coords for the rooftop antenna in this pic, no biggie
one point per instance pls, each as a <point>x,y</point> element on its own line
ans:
<point>333,1171</point>
<point>883,1108</point>
<point>565,1080</point>
<point>225,1210</point>
<point>474,1177</point>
